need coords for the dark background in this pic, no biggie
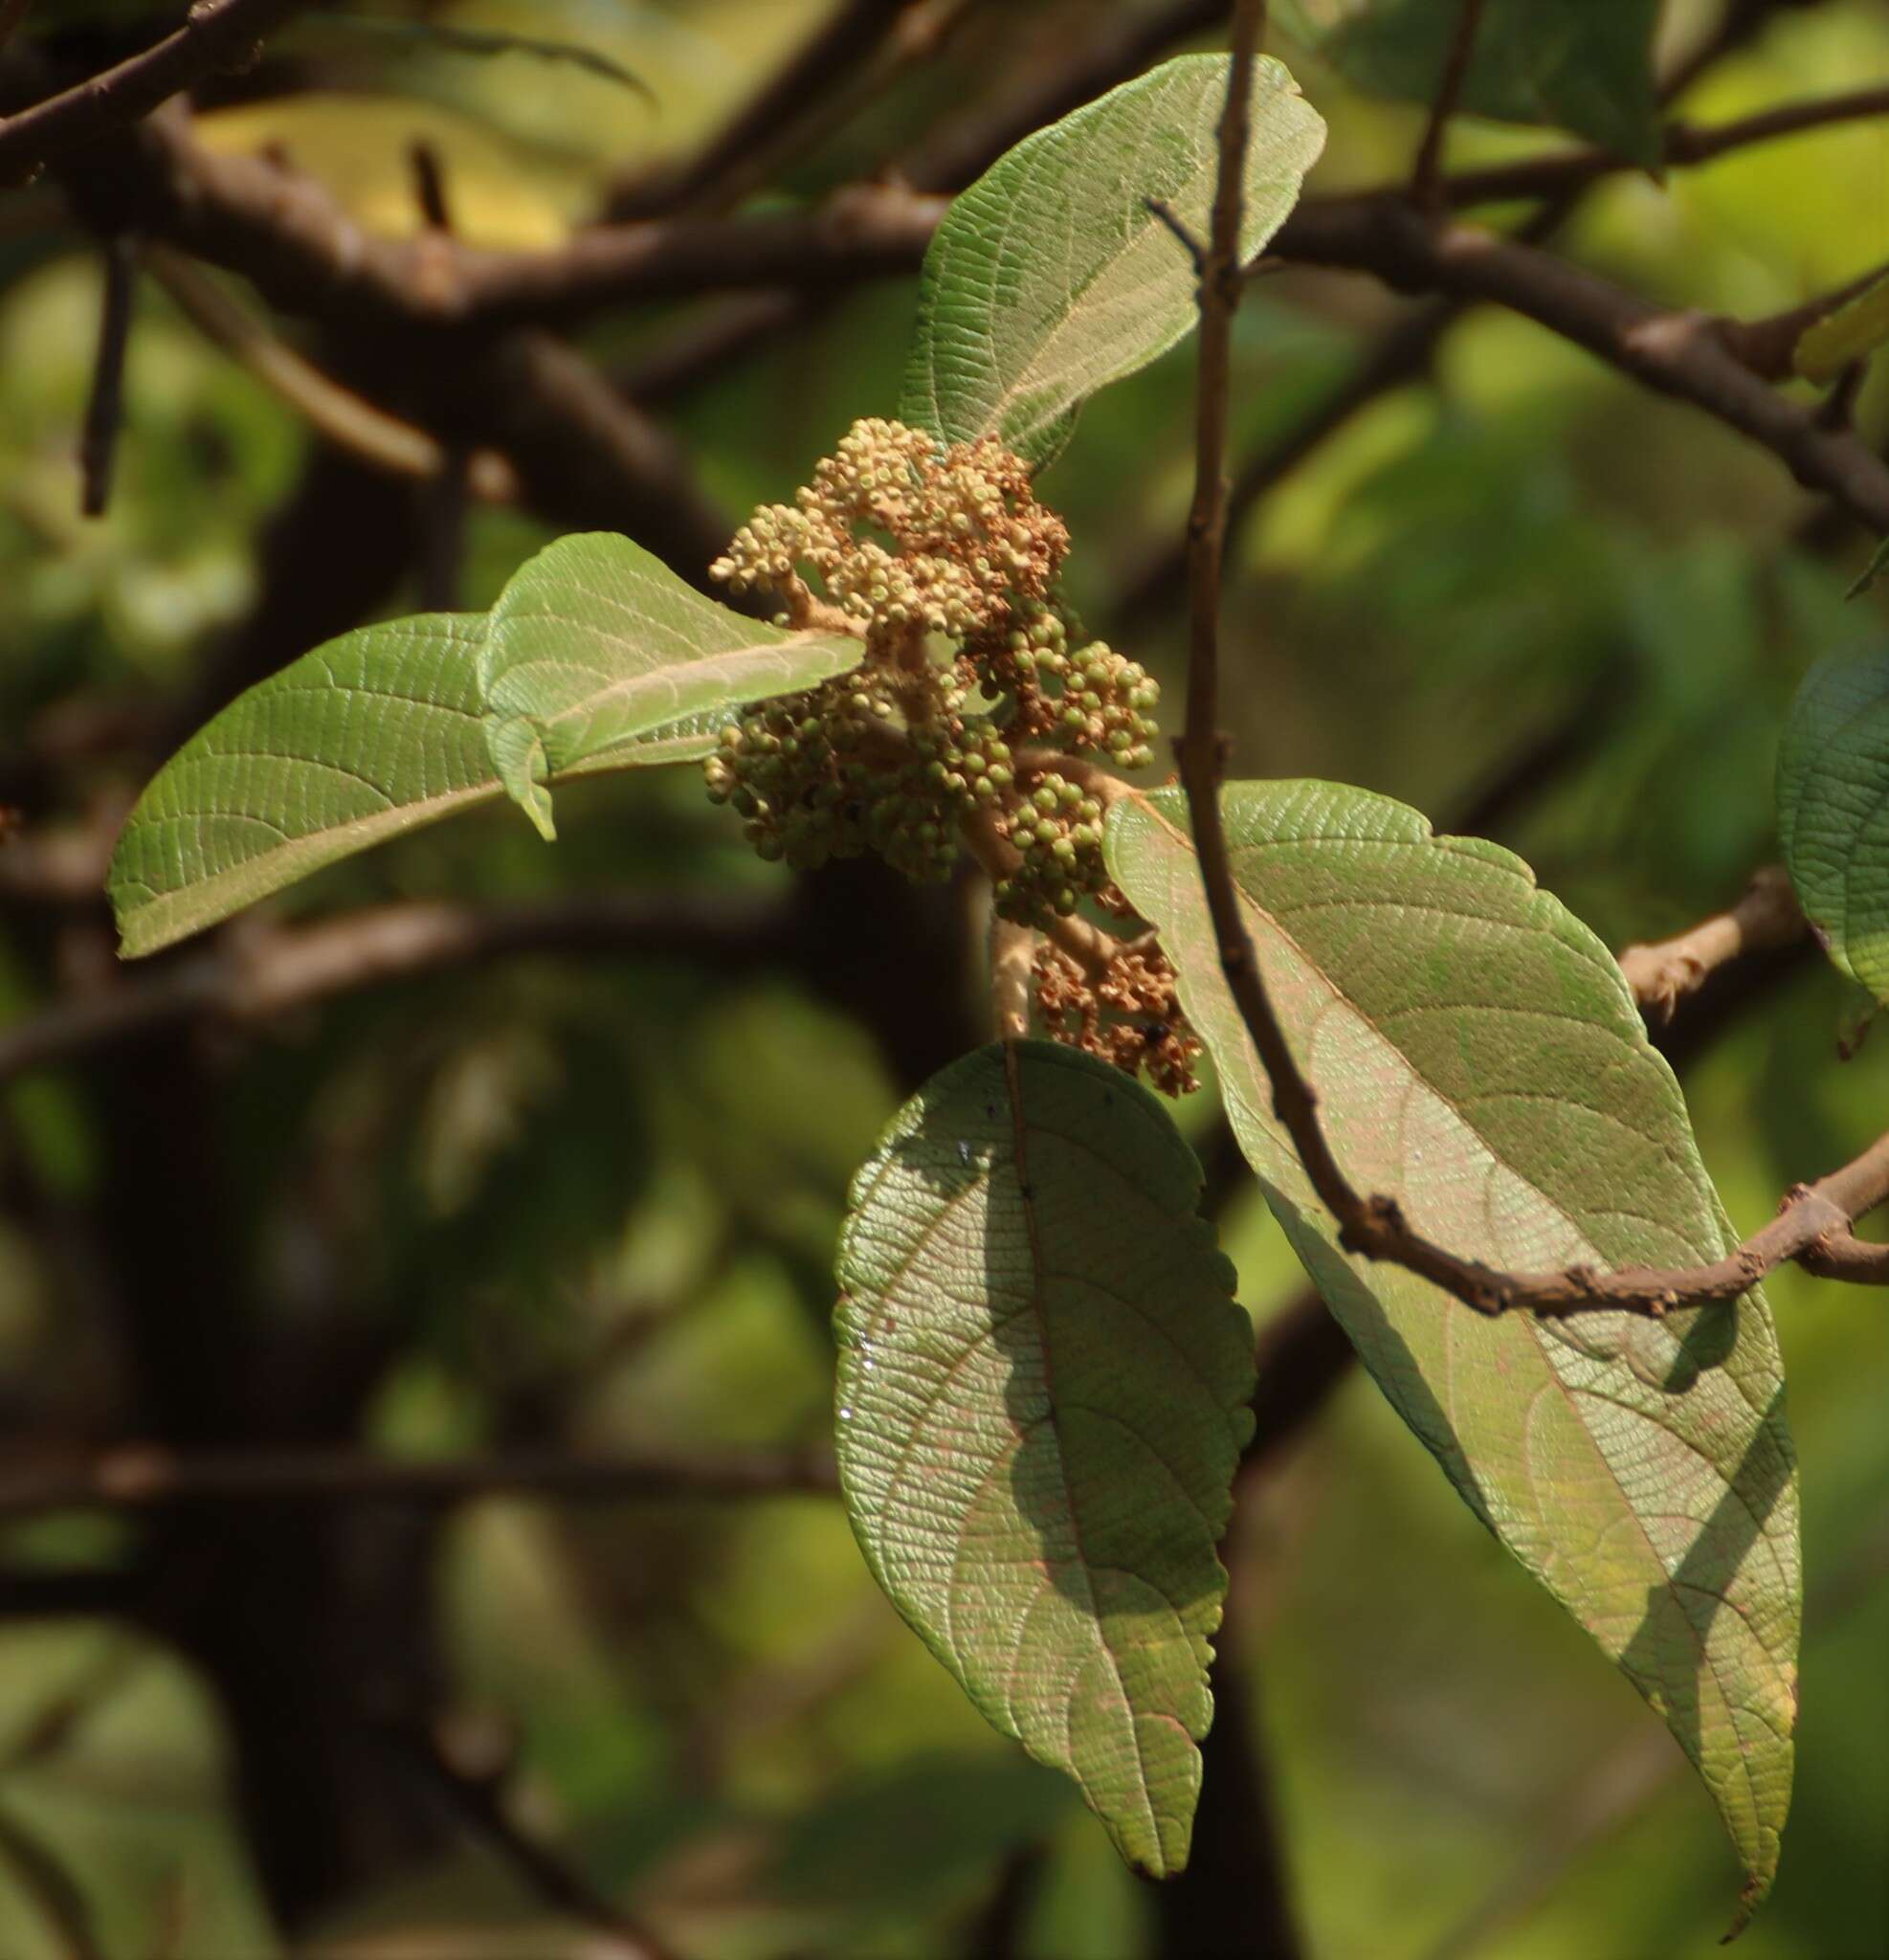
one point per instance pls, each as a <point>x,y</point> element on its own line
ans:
<point>578,1197</point>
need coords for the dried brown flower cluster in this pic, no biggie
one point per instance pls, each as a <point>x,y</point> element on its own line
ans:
<point>970,544</point>
<point>944,561</point>
<point>1131,1016</point>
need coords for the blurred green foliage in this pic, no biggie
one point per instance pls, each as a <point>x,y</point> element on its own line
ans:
<point>611,1191</point>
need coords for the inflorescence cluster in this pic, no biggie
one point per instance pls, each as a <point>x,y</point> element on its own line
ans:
<point>976,681</point>
<point>1131,1017</point>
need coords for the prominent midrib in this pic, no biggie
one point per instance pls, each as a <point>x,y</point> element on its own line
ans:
<point>1039,1269</point>
<point>1065,322</point>
<point>143,928</point>
<point>1316,969</point>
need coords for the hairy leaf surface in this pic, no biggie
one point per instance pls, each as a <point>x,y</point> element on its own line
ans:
<point>1585,65</point>
<point>596,656</point>
<point>1043,1382</point>
<point>1832,812</point>
<point>1477,1056</point>
<point>1050,277</point>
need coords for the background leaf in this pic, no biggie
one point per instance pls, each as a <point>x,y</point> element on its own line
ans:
<point>1043,1384</point>
<point>1832,812</point>
<point>1583,65</point>
<point>1856,328</point>
<point>1878,564</point>
<point>1050,277</point>
<point>1476,1055</point>
<point>455,40</point>
<point>596,656</point>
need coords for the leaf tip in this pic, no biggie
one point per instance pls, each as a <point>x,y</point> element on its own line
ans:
<point>518,754</point>
<point>1752,1894</point>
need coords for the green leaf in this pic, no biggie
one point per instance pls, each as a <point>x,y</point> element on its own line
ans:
<point>1877,566</point>
<point>1582,65</point>
<point>477,41</point>
<point>1832,812</point>
<point>1043,1382</point>
<point>602,648</point>
<point>596,656</point>
<point>1477,1056</point>
<point>1050,277</point>
<point>1856,328</point>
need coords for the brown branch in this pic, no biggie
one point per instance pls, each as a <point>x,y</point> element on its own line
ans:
<point>443,503</point>
<point>1678,354</point>
<point>1081,68</point>
<point>41,1875</point>
<point>846,64</point>
<point>1685,145</point>
<point>337,413</point>
<point>1425,187</point>
<point>12,14</point>
<point>1401,245</point>
<point>1813,1227</point>
<point>1766,915</point>
<point>250,976</point>
<point>1107,54</point>
<point>843,42</point>
<point>1303,1358</point>
<point>104,407</point>
<point>216,33</point>
<point>148,1477</point>
<point>1769,347</point>
<point>284,231</point>
<point>1200,746</point>
<point>583,457</point>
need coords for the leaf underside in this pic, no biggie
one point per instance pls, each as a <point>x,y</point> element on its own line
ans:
<point>1477,1058</point>
<point>1581,65</point>
<point>1832,807</point>
<point>1043,1382</point>
<point>596,656</point>
<point>1050,277</point>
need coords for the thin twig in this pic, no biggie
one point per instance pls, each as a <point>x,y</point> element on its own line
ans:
<point>216,33</point>
<point>1082,67</point>
<point>1679,354</point>
<point>44,1878</point>
<point>1766,915</point>
<point>442,519</point>
<point>479,1800</point>
<point>1684,144</point>
<point>1816,1220</point>
<point>1424,185</point>
<point>844,41</point>
<point>12,14</point>
<point>250,976</point>
<point>136,1476</point>
<point>105,408</point>
<point>345,419</point>
<point>847,66</point>
<point>430,186</point>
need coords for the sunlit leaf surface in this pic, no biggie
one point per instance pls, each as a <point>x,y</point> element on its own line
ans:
<point>1052,276</point>
<point>596,656</point>
<point>1043,1384</point>
<point>1476,1056</point>
<point>1832,812</point>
